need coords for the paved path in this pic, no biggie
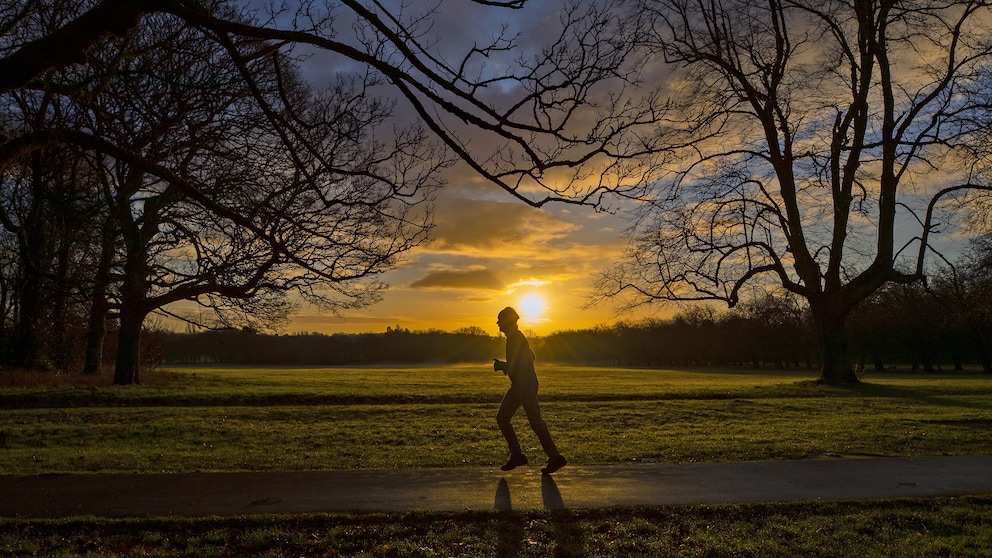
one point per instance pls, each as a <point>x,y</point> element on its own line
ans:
<point>574,487</point>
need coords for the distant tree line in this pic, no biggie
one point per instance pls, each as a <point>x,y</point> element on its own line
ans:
<point>943,325</point>
<point>396,345</point>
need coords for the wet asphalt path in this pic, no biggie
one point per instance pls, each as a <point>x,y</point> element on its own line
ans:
<point>574,487</point>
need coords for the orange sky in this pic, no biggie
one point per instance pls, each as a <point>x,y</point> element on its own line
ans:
<point>489,251</point>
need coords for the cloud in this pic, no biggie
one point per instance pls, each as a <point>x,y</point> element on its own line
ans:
<point>490,228</point>
<point>459,279</point>
<point>484,247</point>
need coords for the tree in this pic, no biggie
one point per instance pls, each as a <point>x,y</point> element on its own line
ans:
<point>816,147</point>
<point>330,206</point>
<point>47,207</point>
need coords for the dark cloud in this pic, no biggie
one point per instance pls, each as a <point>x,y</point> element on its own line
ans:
<point>492,227</point>
<point>459,279</point>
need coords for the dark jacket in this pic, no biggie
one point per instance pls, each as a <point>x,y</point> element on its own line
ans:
<point>520,360</point>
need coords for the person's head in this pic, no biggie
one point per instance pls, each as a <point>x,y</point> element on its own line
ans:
<point>507,319</point>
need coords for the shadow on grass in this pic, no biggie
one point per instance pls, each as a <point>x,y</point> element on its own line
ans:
<point>928,396</point>
<point>567,531</point>
<point>510,531</point>
<point>563,527</point>
<point>510,534</point>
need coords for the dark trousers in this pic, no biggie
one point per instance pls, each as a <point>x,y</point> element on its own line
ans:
<point>526,397</point>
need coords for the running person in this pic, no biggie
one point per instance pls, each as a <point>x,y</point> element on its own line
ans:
<point>519,367</point>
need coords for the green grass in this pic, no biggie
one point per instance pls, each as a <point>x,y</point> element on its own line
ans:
<point>904,528</point>
<point>216,419</point>
<point>380,418</point>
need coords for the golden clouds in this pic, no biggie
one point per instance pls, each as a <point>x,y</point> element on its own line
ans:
<point>497,246</point>
<point>485,254</point>
<point>494,229</point>
<point>475,278</point>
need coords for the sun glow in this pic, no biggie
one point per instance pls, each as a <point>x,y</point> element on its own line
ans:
<point>532,307</point>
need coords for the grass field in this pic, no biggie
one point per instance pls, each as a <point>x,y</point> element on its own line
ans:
<point>217,419</point>
<point>344,418</point>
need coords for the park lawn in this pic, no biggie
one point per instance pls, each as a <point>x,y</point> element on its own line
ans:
<point>216,419</point>
<point>383,418</point>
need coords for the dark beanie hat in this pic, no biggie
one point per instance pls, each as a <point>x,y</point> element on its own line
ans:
<point>508,315</point>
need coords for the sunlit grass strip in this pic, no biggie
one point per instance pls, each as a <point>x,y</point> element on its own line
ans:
<point>466,384</point>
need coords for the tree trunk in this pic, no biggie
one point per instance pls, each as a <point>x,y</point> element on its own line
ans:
<point>5,313</point>
<point>61,350</point>
<point>984,354</point>
<point>134,289</point>
<point>836,364</point>
<point>136,235</point>
<point>129,345</point>
<point>25,344</point>
<point>33,244</point>
<point>96,329</point>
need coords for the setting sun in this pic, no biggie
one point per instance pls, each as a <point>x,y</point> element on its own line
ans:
<point>531,307</point>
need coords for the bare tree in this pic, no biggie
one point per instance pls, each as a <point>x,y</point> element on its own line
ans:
<point>817,147</point>
<point>320,212</point>
<point>47,207</point>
